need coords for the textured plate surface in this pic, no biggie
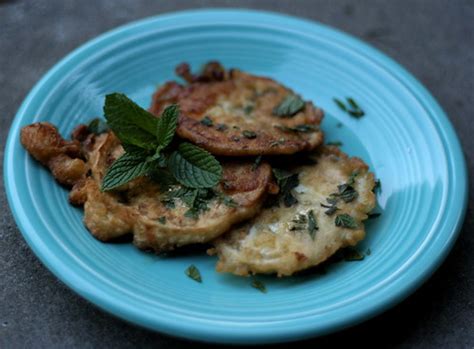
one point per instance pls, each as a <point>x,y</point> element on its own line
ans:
<point>405,137</point>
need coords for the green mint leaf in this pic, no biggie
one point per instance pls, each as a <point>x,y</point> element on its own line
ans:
<point>193,273</point>
<point>286,181</point>
<point>194,167</point>
<point>166,125</point>
<point>259,285</point>
<point>257,162</point>
<point>249,134</point>
<point>129,166</point>
<point>97,126</point>
<point>351,255</point>
<point>290,105</point>
<point>206,121</point>
<point>131,123</point>
<point>345,221</point>
<point>340,104</point>
<point>347,193</point>
<point>374,215</point>
<point>312,224</point>
<point>377,187</point>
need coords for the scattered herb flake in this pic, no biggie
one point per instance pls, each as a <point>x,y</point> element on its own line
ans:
<point>221,127</point>
<point>248,109</point>
<point>289,106</point>
<point>351,255</point>
<point>374,215</point>
<point>207,121</point>
<point>249,134</point>
<point>347,193</point>
<point>335,143</point>
<point>303,128</point>
<point>345,221</point>
<point>259,285</point>
<point>340,104</point>
<point>352,108</point>
<point>331,209</point>
<point>368,252</point>
<point>312,224</point>
<point>286,181</point>
<point>257,162</point>
<point>193,273</point>
<point>378,186</point>
<point>162,220</point>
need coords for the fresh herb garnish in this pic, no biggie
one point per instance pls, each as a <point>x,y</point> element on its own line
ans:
<point>259,285</point>
<point>312,224</point>
<point>374,215</point>
<point>351,255</point>
<point>193,273</point>
<point>126,168</point>
<point>162,220</point>
<point>286,181</point>
<point>345,221</point>
<point>289,106</point>
<point>145,138</point>
<point>257,162</point>
<point>221,127</point>
<point>299,222</point>
<point>249,134</point>
<point>248,109</point>
<point>207,121</point>
<point>352,178</point>
<point>331,206</point>
<point>335,143</point>
<point>194,167</point>
<point>377,187</point>
<point>352,108</point>
<point>346,192</point>
<point>97,126</point>
<point>368,252</point>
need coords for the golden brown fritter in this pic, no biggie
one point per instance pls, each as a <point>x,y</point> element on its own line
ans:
<point>45,144</point>
<point>279,240</point>
<point>141,207</point>
<point>233,113</point>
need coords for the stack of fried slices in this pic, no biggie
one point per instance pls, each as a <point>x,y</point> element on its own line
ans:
<point>284,202</point>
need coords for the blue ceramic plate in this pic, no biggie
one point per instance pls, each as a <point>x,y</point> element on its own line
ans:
<point>405,137</point>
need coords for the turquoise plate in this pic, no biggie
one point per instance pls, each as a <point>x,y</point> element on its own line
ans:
<point>405,137</point>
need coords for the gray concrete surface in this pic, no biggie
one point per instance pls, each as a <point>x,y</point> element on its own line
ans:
<point>433,39</point>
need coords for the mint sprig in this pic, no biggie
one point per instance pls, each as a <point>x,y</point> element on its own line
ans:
<point>194,167</point>
<point>127,167</point>
<point>146,140</point>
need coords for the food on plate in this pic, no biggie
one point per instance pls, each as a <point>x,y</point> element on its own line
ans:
<point>232,113</point>
<point>322,209</point>
<point>160,212</point>
<point>229,159</point>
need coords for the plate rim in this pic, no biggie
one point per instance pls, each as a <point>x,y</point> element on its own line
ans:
<point>201,331</point>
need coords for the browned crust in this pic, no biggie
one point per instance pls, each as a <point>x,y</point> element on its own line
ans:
<point>205,92</point>
<point>63,158</point>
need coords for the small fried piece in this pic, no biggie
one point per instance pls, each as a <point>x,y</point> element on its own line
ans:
<point>284,240</point>
<point>232,113</point>
<point>143,207</point>
<point>45,144</point>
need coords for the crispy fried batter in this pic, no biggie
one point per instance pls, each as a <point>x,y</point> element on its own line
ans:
<point>239,113</point>
<point>274,241</point>
<point>138,207</point>
<point>43,141</point>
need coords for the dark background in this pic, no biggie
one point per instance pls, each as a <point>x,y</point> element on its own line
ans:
<point>432,39</point>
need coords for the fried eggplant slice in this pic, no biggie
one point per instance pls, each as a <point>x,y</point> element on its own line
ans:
<point>232,113</point>
<point>284,240</point>
<point>158,215</point>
